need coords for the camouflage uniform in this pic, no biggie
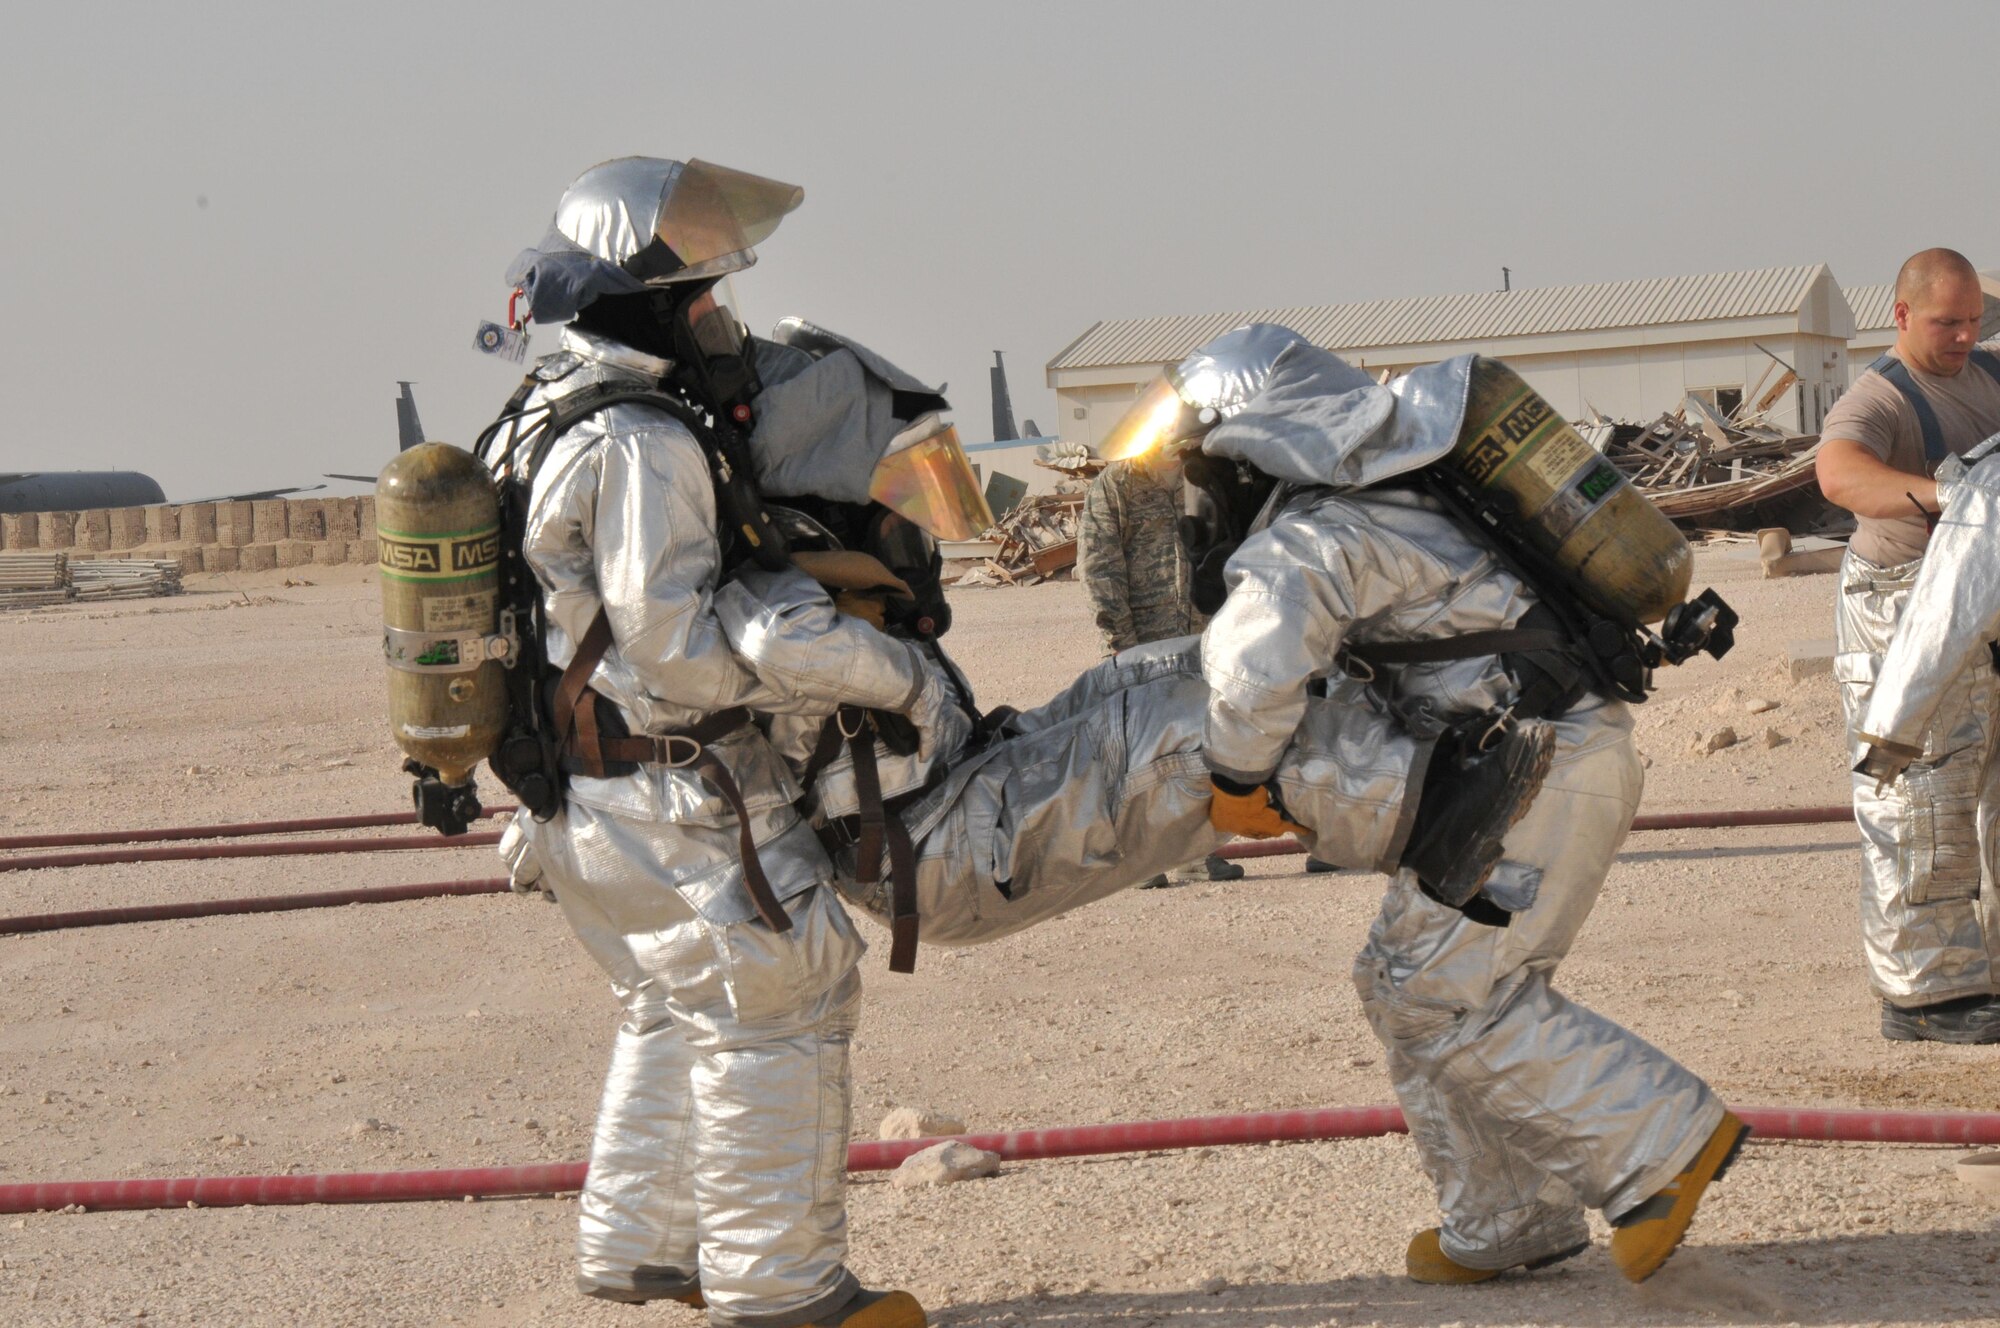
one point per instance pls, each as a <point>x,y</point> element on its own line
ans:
<point>1133,564</point>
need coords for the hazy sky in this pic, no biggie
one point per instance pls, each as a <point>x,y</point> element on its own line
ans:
<point>230,228</point>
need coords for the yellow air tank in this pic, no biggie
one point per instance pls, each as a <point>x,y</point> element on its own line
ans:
<point>437,526</point>
<point>1620,555</point>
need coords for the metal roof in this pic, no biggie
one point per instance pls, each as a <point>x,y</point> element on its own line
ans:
<point>1482,316</point>
<point>1873,306</point>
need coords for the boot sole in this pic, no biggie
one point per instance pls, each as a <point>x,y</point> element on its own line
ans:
<point>1966,1039</point>
<point>1682,1216</point>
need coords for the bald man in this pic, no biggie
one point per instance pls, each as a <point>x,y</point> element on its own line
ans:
<point>1930,905</point>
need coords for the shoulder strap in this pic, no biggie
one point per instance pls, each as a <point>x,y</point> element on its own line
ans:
<point>576,681</point>
<point>1898,375</point>
<point>1988,361</point>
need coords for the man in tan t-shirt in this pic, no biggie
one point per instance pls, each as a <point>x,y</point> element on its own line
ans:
<point>1930,905</point>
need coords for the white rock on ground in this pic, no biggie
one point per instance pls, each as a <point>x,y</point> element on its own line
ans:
<point>918,1123</point>
<point>941,1164</point>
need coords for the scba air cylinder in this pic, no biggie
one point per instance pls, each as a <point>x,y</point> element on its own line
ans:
<point>437,526</point>
<point>1620,555</point>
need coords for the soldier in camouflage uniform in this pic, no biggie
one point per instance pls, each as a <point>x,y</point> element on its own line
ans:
<point>1134,567</point>
<point>1139,578</point>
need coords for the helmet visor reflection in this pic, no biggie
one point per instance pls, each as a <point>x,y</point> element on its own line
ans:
<point>928,480</point>
<point>711,215</point>
<point>1159,416</point>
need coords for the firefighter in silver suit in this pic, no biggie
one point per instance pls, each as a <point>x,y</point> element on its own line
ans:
<point>718,1164</point>
<point>1526,1108</point>
<point>1935,688</point>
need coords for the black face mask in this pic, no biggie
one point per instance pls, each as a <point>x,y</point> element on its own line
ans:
<point>1223,499</point>
<point>908,550</point>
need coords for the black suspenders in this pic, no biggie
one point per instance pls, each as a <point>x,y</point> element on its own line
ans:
<point>1899,378</point>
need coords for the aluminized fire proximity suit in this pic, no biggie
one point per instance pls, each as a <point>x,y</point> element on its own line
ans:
<point>719,1162</point>
<point>724,1121</point>
<point>1933,929</point>
<point>1524,1105</point>
<point>1094,792</point>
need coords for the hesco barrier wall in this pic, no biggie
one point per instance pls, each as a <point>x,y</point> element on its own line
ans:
<point>207,537</point>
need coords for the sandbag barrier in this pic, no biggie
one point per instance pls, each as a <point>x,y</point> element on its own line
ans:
<point>1771,1124</point>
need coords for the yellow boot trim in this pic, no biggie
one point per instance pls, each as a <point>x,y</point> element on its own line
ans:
<point>879,1309</point>
<point>1428,1263</point>
<point>1640,1247</point>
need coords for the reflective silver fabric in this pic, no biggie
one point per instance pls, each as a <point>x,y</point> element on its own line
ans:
<point>1105,787</point>
<point>1525,1106</point>
<point>1230,369</point>
<point>721,1139</point>
<point>1930,917</point>
<point>727,1096</point>
<point>1381,566</point>
<point>1522,1103</point>
<point>783,626</point>
<point>1953,612</point>
<point>1319,420</point>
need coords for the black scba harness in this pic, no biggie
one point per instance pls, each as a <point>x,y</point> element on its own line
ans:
<point>1562,648</point>
<point>557,725</point>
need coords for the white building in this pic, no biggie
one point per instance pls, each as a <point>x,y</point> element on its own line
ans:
<point>1627,349</point>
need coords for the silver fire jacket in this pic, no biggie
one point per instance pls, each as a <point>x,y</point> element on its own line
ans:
<point>1330,569</point>
<point>1953,612</point>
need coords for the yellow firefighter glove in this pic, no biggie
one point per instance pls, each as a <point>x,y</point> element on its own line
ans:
<point>1253,812</point>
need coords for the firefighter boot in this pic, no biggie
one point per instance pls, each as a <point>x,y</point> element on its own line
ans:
<point>649,1284</point>
<point>876,1309</point>
<point>1428,1263</point>
<point>1647,1235</point>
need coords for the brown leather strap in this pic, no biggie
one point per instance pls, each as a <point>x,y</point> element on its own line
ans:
<point>710,767</point>
<point>689,748</point>
<point>576,680</point>
<point>876,827</point>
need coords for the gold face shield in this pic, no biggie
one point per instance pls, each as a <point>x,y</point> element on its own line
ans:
<point>925,478</point>
<point>1157,418</point>
<point>713,217</point>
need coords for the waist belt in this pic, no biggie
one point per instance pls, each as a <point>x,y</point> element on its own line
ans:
<point>588,750</point>
<point>873,826</point>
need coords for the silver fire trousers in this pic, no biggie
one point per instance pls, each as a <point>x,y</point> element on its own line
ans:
<point>1105,787</point>
<point>721,1141</point>
<point>1929,933</point>
<point>1524,1106</point>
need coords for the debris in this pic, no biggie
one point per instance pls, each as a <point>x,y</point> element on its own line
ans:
<point>1773,738</point>
<point>1696,464</point>
<point>1714,742</point>
<point>941,1164</point>
<point>1037,542</point>
<point>915,1123</point>
<point>1761,705</point>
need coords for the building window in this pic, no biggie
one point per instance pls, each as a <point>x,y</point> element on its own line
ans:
<point>1726,400</point>
<point>1079,412</point>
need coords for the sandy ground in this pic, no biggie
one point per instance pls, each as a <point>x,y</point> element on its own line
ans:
<point>474,1031</point>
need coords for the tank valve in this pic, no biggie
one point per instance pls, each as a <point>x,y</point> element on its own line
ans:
<point>449,809</point>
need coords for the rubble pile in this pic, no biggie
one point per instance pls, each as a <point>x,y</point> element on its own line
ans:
<point>1037,541</point>
<point>1702,467</point>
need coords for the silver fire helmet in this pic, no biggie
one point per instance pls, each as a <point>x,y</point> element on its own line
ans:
<point>635,222</point>
<point>1209,385</point>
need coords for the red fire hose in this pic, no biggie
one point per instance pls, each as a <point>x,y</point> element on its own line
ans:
<point>207,908</point>
<point>386,843</point>
<point>276,848</point>
<point>235,830</point>
<point>1769,1123</point>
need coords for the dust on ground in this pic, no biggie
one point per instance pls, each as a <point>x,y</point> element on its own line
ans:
<point>473,1031</point>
